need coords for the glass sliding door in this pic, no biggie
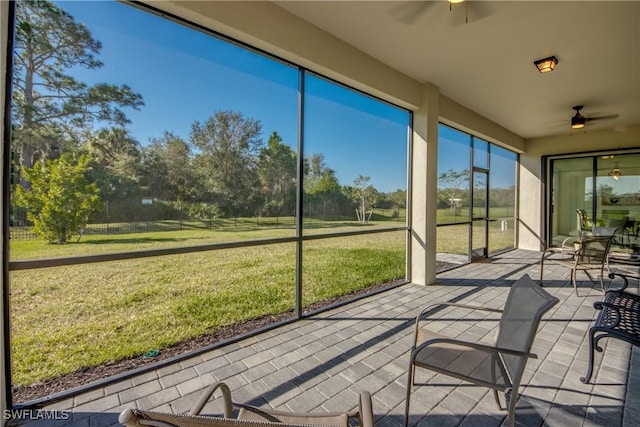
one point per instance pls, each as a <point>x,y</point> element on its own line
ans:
<point>454,165</point>
<point>479,214</point>
<point>617,200</point>
<point>606,187</point>
<point>571,189</point>
<point>479,202</point>
<point>476,198</point>
<point>502,199</point>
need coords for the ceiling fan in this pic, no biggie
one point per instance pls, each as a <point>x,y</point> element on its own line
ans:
<point>409,12</point>
<point>579,120</point>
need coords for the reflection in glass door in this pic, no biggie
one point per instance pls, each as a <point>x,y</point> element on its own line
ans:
<point>607,187</point>
<point>571,189</point>
<point>479,214</point>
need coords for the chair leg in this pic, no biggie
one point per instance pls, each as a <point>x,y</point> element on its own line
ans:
<point>410,381</point>
<point>497,398</point>
<point>512,398</point>
<point>587,376</point>
<point>493,377</point>
<point>593,280</point>
<point>574,281</point>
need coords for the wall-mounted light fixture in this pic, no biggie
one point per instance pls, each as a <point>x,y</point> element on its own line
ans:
<point>546,65</point>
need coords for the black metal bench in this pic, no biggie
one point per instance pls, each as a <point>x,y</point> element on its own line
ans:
<point>619,317</point>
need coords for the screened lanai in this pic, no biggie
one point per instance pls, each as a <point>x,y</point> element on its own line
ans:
<point>383,144</point>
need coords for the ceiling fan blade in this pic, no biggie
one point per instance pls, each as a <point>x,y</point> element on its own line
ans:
<point>607,117</point>
<point>468,12</point>
<point>480,10</point>
<point>408,12</point>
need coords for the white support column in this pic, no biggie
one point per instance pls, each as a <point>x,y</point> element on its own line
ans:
<point>424,187</point>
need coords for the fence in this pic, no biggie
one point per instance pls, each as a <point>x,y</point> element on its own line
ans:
<point>158,216</point>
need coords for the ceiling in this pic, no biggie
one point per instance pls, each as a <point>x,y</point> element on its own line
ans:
<point>487,63</point>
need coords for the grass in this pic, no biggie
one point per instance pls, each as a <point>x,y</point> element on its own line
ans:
<point>454,239</point>
<point>67,318</point>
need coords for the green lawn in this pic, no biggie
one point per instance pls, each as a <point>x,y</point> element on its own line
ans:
<point>67,318</point>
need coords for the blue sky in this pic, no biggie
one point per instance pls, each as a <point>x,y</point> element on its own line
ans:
<point>185,75</point>
<point>454,153</point>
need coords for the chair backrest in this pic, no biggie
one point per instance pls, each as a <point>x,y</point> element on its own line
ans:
<point>526,303</point>
<point>594,249</point>
<point>138,417</point>
<point>583,220</point>
<point>604,231</point>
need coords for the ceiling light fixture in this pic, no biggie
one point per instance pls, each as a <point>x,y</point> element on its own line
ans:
<point>578,121</point>
<point>546,65</point>
<point>455,1</point>
<point>615,172</point>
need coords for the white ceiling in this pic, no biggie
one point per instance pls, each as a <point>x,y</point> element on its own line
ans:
<point>487,63</point>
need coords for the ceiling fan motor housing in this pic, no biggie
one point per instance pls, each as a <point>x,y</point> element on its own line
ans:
<point>578,120</point>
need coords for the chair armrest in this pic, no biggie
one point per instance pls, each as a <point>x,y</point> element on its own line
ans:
<point>625,281</point>
<point>206,396</point>
<point>600,305</point>
<point>128,418</point>
<point>477,346</point>
<point>453,304</point>
<point>366,410</point>
<point>562,251</point>
<point>446,304</point>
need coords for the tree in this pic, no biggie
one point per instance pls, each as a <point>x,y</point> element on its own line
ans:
<point>365,195</point>
<point>322,188</point>
<point>48,103</point>
<point>398,198</point>
<point>115,163</point>
<point>277,171</point>
<point>452,187</point>
<point>228,145</point>
<point>503,197</point>
<point>319,179</point>
<point>60,199</point>
<point>167,168</point>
